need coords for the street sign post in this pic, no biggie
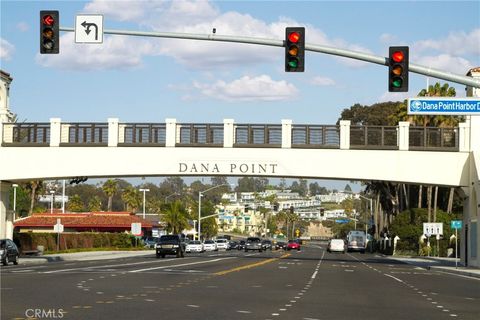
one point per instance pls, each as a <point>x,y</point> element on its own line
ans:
<point>58,228</point>
<point>444,106</point>
<point>432,229</point>
<point>89,28</point>
<point>456,224</point>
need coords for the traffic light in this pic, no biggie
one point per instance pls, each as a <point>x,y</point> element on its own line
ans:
<point>49,32</point>
<point>398,69</point>
<point>294,49</point>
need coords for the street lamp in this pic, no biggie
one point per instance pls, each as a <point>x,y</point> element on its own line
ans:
<point>52,192</point>
<point>144,190</point>
<point>173,194</point>
<point>14,200</point>
<point>371,209</point>
<point>200,195</point>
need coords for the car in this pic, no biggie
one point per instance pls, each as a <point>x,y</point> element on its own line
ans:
<point>150,242</point>
<point>222,244</point>
<point>266,244</point>
<point>293,244</point>
<point>280,245</point>
<point>232,245</point>
<point>241,245</point>
<point>194,246</point>
<point>336,245</point>
<point>8,252</point>
<point>171,245</point>
<point>253,243</point>
<point>210,245</point>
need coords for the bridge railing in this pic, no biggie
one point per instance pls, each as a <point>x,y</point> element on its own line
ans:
<point>89,134</point>
<point>258,135</point>
<point>374,137</point>
<point>432,138</point>
<point>315,136</point>
<point>232,135</point>
<point>142,134</point>
<point>197,135</point>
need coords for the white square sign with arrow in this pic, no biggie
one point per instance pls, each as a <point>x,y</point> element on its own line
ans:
<point>89,28</point>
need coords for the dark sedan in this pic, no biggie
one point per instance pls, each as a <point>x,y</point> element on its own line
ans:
<point>8,252</point>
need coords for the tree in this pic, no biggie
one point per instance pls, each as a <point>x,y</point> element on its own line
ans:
<point>95,204</point>
<point>75,204</point>
<point>34,188</point>
<point>110,187</point>
<point>176,218</point>
<point>132,199</point>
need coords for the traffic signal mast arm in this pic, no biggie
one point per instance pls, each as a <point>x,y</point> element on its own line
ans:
<point>427,71</point>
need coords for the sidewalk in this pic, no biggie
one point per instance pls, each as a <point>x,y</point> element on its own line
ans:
<point>83,256</point>
<point>446,265</point>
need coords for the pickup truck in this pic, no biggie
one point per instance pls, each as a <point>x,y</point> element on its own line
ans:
<point>171,245</point>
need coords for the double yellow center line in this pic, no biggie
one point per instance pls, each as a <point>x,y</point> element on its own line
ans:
<point>252,265</point>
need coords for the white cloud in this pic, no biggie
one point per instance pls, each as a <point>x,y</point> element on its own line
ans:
<point>115,52</point>
<point>446,62</point>
<point>322,81</point>
<point>6,49</point>
<point>245,89</point>
<point>388,38</point>
<point>456,43</point>
<point>394,96</point>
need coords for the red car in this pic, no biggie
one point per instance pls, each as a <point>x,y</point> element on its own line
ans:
<point>293,244</point>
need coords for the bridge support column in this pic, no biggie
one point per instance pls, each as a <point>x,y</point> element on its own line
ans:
<point>228,133</point>
<point>113,134</point>
<point>344,134</point>
<point>171,132</point>
<point>55,132</point>
<point>6,215</point>
<point>403,135</point>
<point>286,134</point>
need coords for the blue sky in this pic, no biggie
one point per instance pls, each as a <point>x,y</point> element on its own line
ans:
<point>148,80</point>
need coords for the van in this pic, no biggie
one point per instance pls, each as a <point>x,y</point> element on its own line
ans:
<point>356,241</point>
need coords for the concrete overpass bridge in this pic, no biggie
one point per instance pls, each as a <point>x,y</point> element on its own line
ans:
<point>418,155</point>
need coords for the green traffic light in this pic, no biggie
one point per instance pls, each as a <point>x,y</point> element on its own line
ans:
<point>397,82</point>
<point>293,63</point>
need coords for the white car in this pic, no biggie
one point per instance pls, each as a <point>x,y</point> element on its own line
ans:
<point>222,244</point>
<point>195,246</point>
<point>210,245</point>
<point>336,245</point>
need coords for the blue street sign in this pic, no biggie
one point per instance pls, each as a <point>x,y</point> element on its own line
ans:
<point>342,220</point>
<point>444,106</point>
<point>456,224</point>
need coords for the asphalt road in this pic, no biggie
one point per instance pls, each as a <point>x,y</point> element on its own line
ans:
<point>310,284</point>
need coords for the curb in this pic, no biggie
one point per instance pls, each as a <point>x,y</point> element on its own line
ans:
<point>88,256</point>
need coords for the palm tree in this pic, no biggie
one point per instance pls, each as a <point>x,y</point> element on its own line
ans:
<point>110,187</point>
<point>34,188</point>
<point>176,218</point>
<point>132,199</point>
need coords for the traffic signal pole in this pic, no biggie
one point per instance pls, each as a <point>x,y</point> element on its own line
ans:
<point>427,71</point>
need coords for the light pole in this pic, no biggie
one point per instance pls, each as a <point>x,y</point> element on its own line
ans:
<point>173,194</point>
<point>144,190</point>
<point>52,192</point>
<point>14,200</point>
<point>200,195</point>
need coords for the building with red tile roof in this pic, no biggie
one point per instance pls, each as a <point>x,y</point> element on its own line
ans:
<point>81,222</point>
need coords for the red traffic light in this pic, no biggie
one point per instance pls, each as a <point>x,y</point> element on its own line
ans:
<point>48,20</point>
<point>293,37</point>
<point>398,56</point>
